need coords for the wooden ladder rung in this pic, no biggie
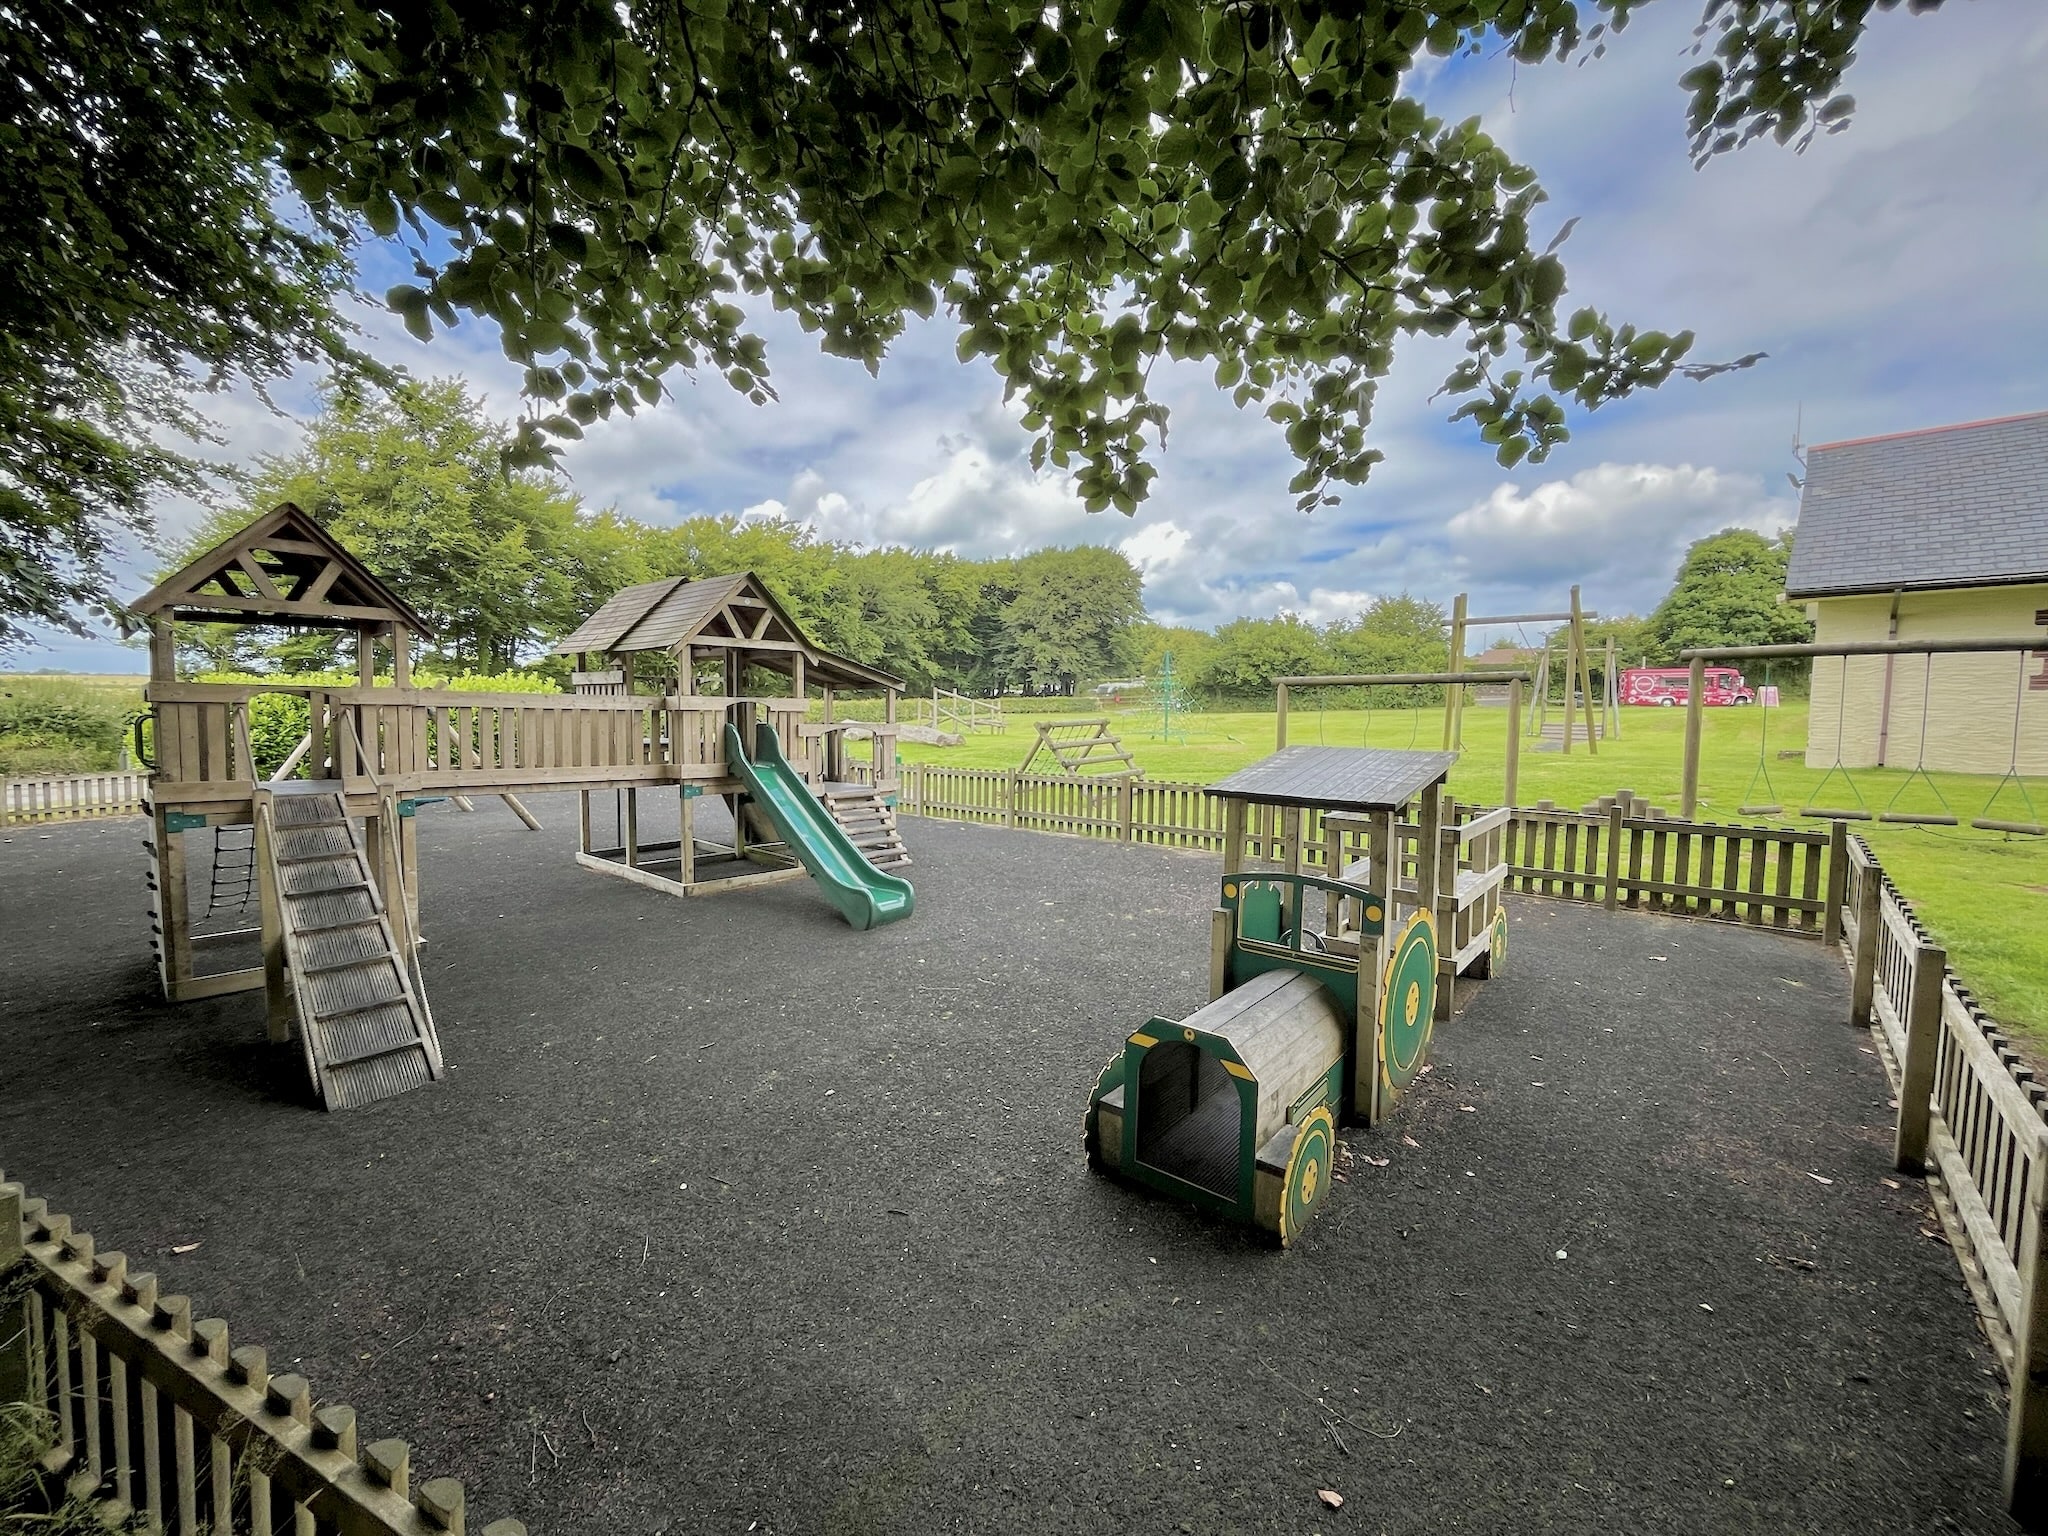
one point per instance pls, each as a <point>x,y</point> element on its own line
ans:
<point>403,1000</point>
<point>375,1052</point>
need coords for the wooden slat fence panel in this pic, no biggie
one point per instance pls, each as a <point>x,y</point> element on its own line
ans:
<point>73,797</point>
<point>198,1436</point>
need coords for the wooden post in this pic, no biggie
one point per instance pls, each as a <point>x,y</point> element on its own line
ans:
<point>1454,697</point>
<point>401,656</point>
<point>632,828</point>
<point>2026,1432</point>
<point>1233,836</point>
<point>163,652</point>
<point>1695,720</point>
<point>1219,953</point>
<point>1863,963</point>
<point>1429,820</point>
<point>1916,1070</point>
<point>1615,815</point>
<point>686,833</point>
<point>366,655</point>
<point>1584,682</point>
<point>1610,692</point>
<point>174,908</point>
<point>1126,801</point>
<point>277,1001</point>
<point>1280,720</point>
<point>409,872</point>
<point>1837,882</point>
<point>889,707</point>
<point>583,821</point>
<point>1514,739</point>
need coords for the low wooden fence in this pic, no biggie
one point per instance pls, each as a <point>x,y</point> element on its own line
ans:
<point>1619,851</point>
<point>158,1420</point>
<point>72,798</point>
<point>1972,1119</point>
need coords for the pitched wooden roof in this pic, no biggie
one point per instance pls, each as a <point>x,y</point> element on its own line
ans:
<point>284,568</point>
<point>735,611</point>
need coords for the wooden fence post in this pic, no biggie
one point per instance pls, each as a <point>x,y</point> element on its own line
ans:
<point>1016,789</point>
<point>1615,813</point>
<point>14,1362</point>
<point>2026,1430</point>
<point>1837,882</point>
<point>1695,721</point>
<point>1863,963</point>
<point>1126,795</point>
<point>1916,1071</point>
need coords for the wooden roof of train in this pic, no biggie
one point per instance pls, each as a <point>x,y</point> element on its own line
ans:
<point>1337,778</point>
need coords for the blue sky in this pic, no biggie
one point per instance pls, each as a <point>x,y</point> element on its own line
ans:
<point>1894,273</point>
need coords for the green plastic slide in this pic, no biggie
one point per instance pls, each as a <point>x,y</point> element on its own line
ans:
<point>864,895</point>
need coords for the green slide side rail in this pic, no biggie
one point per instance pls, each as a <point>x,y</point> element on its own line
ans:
<point>864,895</point>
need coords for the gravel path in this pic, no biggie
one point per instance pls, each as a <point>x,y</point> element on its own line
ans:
<point>730,1218</point>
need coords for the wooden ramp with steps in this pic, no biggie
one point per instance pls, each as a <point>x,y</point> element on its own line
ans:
<point>365,1027</point>
<point>869,820</point>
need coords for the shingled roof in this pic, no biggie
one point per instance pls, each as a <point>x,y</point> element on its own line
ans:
<point>1962,506</point>
<point>735,611</point>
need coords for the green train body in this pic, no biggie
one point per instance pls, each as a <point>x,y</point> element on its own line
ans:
<point>1235,1109</point>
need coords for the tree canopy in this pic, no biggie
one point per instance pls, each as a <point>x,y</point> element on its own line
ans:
<point>1086,187</point>
<point>1729,591</point>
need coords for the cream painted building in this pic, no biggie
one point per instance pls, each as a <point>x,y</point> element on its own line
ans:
<point>1934,535</point>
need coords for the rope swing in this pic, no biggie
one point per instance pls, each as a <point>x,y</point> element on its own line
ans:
<point>1985,821</point>
<point>1814,808</point>
<point>1917,818</point>
<point>1769,806</point>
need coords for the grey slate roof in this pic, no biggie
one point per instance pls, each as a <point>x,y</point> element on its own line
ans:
<point>1958,506</point>
<point>1337,778</point>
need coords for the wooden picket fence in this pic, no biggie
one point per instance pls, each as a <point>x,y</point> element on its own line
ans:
<point>72,798</point>
<point>1619,851</point>
<point>1971,1114</point>
<point>1974,1120</point>
<point>158,1421</point>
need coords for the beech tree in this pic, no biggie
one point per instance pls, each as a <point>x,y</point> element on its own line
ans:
<point>1085,187</point>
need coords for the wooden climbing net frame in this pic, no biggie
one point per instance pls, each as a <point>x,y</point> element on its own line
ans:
<point>1081,749</point>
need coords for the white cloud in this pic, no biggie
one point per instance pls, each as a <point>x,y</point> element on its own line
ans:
<point>1891,272</point>
<point>1155,548</point>
<point>1618,530</point>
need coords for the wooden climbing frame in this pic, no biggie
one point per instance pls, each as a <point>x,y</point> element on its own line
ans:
<point>1081,748</point>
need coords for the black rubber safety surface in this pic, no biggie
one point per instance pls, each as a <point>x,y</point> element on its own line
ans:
<point>730,1218</point>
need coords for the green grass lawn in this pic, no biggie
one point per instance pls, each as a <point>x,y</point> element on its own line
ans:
<point>1982,894</point>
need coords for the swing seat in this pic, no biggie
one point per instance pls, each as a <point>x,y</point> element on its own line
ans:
<point>1759,810</point>
<point>1918,819</point>
<point>2023,828</point>
<point>1823,813</point>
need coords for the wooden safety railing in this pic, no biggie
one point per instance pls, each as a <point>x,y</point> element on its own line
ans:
<point>1971,1118</point>
<point>72,797</point>
<point>1618,851</point>
<point>428,741</point>
<point>158,1418</point>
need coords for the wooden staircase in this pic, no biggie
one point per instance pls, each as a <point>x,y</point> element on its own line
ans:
<point>365,1027</point>
<point>869,820</point>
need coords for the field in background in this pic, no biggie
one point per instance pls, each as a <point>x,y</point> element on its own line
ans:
<point>1982,894</point>
<point>65,722</point>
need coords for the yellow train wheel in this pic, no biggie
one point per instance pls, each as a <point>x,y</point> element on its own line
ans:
<point>1308,1172</point>
<point>1408,1003</point>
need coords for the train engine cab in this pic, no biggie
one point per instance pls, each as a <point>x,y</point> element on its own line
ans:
<point>1235,1108</point>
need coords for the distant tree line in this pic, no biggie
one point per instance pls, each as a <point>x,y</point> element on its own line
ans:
<point>503,564</point>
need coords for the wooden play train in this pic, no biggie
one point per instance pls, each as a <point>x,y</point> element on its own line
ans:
<point>1324,991</point>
